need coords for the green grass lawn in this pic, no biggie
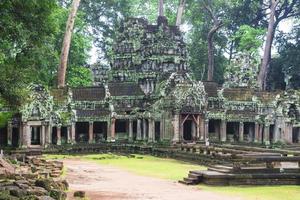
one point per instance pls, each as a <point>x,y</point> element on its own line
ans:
<point>143,165</point>
<point>175,170</point>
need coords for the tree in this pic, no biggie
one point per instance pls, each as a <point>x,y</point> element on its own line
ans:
<point>61,75</point>
<point>217,24</point>
<point>263,70</point>
<point>25,26</point>
<point>180,12</point>
<point>279,10</point>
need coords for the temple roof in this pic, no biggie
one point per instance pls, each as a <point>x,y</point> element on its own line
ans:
<point>125,89</point>
<point>89,93</point>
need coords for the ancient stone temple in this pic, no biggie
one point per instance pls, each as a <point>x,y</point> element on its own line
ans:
<point>148,94</point>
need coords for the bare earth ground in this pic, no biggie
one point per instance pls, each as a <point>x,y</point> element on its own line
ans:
<point>109,183</point>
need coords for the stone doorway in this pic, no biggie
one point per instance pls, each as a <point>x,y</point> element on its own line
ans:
<point>100,131</point>
<point>3,136</point>
<point>296,134</point>
<point>82,132</point>
<point>214,126</point>
<point>54,135</point>
<point>157,131</point>
<point>15,137</point>
<point>232,131</point>
<point>35,135</point>
<point>187,130</point>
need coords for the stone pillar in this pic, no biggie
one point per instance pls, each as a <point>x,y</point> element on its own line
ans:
<point>69,135</point>
<point>139,130</point>
<point>256,132</point>
<point>288,133</point>
<point>241,132</point>
<point>206,129</point>
<point>58,132</point>
<point>177,127</point>
<point>151,130</point>
<point>26,135</point>
<point>130,127</point>
<point>198,128</point>
<point>267,134</point>
<point>223,131</point>
<point>298,134</point>
<point>9,133</point>
<point>194,129</point>
<point>113,129</point>
<point>91,132</point>
<point>43,135</point>
<point>251,132</point>
<point>144,129</point>
<point>73,133</point>
<point>202,128</point>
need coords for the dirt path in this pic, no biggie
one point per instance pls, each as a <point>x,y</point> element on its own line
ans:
<point>109,183</point>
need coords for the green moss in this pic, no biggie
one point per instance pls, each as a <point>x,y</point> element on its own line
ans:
<point>4,118</point>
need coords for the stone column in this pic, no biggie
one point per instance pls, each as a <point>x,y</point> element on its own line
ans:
<point>251,132</point>
<point>26,135</point>
<point>241,132</point>
<point>69,139</point>
<point>267,134</point>
<point>151,130</point>
<point>194,129</point>
<point>206,129</point>
<point>91,132</point>
<point>256,132</point>
<point>144,129</point>
<point>288,133</point>
<point>73,133</point>
<point>198,128</point>
<point>58,132</point>
<point>43,135</point>
<point>298,134</point>
<point>113,129</point>
<point>176,126</point>
<point>201,128</point>
<point>130,127</point>
<point>223,131</point>
<point>139,130</point>
<point>9,133</point>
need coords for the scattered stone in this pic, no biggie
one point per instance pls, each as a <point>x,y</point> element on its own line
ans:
<point>80,194</point>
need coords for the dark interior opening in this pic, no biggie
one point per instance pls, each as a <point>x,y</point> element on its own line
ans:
<point>187,130</point>
<point>82,132</point>
<point>100,131</point>
<point>272,126</point>
<point>15,137</point>
<point>134,128</point>
<point>64,135</point>
<point>296,135</point>
<point>54,135</point>
<point>35,135</point>
<point>232,131</point>
<point>157,131</point>
<point>249,131</point>
<point>3,136</point>
<point>214,129</point>
<point>121,126</point>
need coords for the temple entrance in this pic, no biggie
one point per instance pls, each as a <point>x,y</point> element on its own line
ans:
<point>54,135</point>
<point>82,132</point>
<point>100,131</point>
<point>188,126</point>
<point>64,135</point>
<point>214,129</point>
<point>134,129</point>
<point>35,135</point>
<point>232,131</point>
<point>3,136</point>
<point>121,128</point>
<point>157,131</point>
<point>15,137</point>
<point>187,130</point>
<point>249,131</point>
<point>296,135</point>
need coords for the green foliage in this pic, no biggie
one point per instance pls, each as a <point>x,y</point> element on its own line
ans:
<point>249,39</point>
<point>4,118</point>
<point>79,76</point>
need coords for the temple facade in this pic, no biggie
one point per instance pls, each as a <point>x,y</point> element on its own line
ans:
<point>148,94</point>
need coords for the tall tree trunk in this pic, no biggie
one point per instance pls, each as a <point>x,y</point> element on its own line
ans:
<point>210,38</point>
<point>61,74</point>
<point>160,7</point>
<point>262,77</point>
<point>180,12</point>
